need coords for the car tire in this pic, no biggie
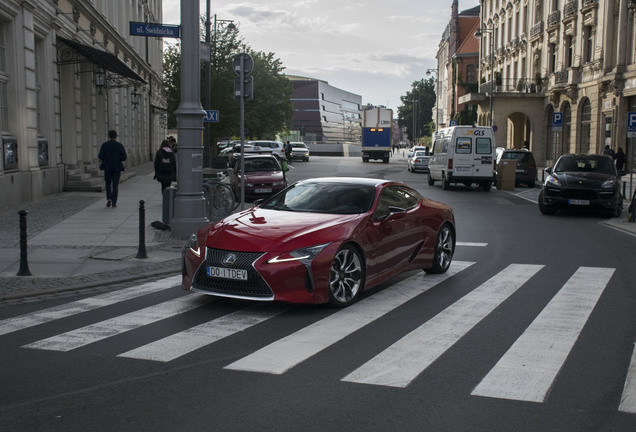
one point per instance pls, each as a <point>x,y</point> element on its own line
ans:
<point>485,185</point>
<point>431,182</point>
<point>346,277</point>
<point>445,182</point>
<point>444,250</point>
<point>542,208</point>
<point>616,211</point>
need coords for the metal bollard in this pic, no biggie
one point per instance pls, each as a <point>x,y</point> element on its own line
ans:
<point>24,264</point>
<point>141,252</point>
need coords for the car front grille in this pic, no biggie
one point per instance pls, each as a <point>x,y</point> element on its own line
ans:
<point>254,287</point>
<point>579,194</point>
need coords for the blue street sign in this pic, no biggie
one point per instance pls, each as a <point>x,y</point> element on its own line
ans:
<point>557,121</point>
<point>211,116</point>
<point>631,125</point>
<point>453,123</point>
<point>155,30</point>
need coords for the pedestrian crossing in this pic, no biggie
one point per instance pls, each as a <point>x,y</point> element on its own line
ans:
<point>526,372</point>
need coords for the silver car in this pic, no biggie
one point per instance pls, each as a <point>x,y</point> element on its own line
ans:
<point>300,151</point>
<point>419,161</point>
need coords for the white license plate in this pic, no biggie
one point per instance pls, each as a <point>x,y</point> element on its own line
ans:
<point>227,273</point>
<point>263,190</point>
<point>462,169</point>
<point>578,202</point>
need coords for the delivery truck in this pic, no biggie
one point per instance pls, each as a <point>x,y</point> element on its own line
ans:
<point>377,135</point>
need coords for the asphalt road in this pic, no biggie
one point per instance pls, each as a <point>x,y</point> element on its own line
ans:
<point>532,329</point>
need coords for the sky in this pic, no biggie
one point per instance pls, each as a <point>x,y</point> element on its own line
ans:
<point>373,48</point>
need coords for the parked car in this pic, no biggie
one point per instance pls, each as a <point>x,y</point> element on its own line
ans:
<point>419,161</point>
<point>413,149</point>
<point>321,240</point>
<point>526,171</point>
<point>582,182</point>
<point>277,147</point>
<point>264,176</point>
<point>300,151</point>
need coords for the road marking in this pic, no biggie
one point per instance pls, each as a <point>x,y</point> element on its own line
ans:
<point>628,400</point>
<point>121,324</point>
<point>10,325</point>
<point>527,371</point>
<point>403,361</point>
<point>180,344</point>
<point>471,244</point>
<point>286,353</point>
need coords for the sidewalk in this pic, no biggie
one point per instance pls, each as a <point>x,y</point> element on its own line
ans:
<point>75,241</point>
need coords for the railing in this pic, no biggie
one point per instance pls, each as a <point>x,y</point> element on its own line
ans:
<point>511,85</point>
<point>554,18</point>
<point>561,76</point>
<point>570,9</point>
<point>536,29</point>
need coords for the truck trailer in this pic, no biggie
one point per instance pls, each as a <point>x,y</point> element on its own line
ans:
<point>377,134</point>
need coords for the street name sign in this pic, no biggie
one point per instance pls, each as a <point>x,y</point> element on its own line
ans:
<point>156,30</point>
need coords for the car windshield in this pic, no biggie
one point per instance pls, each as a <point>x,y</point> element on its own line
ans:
<point>252,165</point>
<point>520,156</point>
<point>584,164</point>
<point>298,146</point>
<point>336,198</point>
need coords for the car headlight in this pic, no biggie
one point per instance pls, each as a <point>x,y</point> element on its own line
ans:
<point>552,180</point>
<point>304,255</point>
<point>608,184</point>
<point>193,245</point>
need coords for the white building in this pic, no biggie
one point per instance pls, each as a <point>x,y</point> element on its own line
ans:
<point>69,72</point>
<point>573,57</point>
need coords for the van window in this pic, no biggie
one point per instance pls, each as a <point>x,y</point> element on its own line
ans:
<point>445,145</point>
<point>483,146</point>
<point>464,145</point>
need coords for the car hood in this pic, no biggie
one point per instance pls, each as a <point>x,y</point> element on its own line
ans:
<point>261,230</point>
<point>263,176</point>
<point>583,178</point>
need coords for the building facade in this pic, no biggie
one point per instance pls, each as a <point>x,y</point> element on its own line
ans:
<point>69,72</point>
<point>572,58</point>
<point>457,68</point>
<point>323,113</point>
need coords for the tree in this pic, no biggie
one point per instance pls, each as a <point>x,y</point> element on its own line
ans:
<point>418,105</point>
<point>269,113</point>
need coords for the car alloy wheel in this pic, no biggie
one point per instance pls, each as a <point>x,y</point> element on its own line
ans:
<point>444,249</point>
<point>346,277</point>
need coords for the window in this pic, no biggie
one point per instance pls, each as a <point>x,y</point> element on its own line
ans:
<point>483,146</point>
<point>553,54</point>
<point>569,57</point>
<point>395,196</point>
<point>586,121</point>
<point>463,145</point>
<point>471,77</point>
<point>589,44</point>
<point>4,79</point>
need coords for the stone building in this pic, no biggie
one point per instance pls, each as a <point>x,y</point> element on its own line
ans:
<point>545,60</point>
<point>69,72</point>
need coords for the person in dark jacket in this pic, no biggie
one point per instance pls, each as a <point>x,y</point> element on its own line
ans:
<point>165,165</point>
<point>621,158</point>
<point>112,154</point>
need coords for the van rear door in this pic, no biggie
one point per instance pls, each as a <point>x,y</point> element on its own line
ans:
<point>463,163</point>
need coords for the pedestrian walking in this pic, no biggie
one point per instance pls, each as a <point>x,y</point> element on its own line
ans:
<point>621,158</point>
<point>288,152</point>
<point>608,151</point>
<point>165,165</point>
<point>111,154</point>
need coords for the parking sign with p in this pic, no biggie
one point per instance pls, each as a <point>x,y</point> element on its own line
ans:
<point>631,125</point>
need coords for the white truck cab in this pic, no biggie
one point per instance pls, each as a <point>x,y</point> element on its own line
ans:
<point>463,154</point>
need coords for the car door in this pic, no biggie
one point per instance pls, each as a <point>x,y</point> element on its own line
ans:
<point>393,234</point>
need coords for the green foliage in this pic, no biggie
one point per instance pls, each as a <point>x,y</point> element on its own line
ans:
<point>266,115</point>
<point>422,91</point>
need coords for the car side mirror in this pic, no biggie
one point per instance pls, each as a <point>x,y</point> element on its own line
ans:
<point>548,170</point>
<point>395,213</point>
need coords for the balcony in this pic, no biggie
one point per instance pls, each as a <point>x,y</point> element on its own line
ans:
<point>511,85</point>
<point>570,9</point>
<point>554,18</point>
<point>536,30</point>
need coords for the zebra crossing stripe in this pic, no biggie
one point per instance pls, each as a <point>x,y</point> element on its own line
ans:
<point>121,324</point>
<point>471,244</point>
<point>180,344</point>
<point>286,353</point>
<point>628,400</point>
<point>10,325</point>
<point>403,361</point>
<point>527,371</point>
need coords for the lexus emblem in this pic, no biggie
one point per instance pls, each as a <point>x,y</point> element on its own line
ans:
<point>229,260</point>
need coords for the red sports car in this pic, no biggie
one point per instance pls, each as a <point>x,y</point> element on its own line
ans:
<point>321,240</point>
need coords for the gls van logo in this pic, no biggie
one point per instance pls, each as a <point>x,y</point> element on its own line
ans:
<point>475,132</point>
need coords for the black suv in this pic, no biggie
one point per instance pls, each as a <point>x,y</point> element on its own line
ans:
<point>526,172</point>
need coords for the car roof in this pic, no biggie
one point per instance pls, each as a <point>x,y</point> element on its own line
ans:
<point>362,181</point>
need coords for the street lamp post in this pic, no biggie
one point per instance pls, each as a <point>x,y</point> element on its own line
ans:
<point>415,101</point>
<point>478,35</point>
<point>189,205</point>
<point>428,73</point>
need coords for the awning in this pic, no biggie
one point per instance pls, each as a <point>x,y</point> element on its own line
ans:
<point>106,60</point>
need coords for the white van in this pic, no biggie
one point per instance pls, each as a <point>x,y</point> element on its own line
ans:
<point>463,154</point>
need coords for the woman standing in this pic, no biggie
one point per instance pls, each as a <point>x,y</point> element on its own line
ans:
<point>165,165</point>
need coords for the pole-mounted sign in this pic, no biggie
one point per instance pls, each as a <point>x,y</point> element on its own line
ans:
<point>156,30</point>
